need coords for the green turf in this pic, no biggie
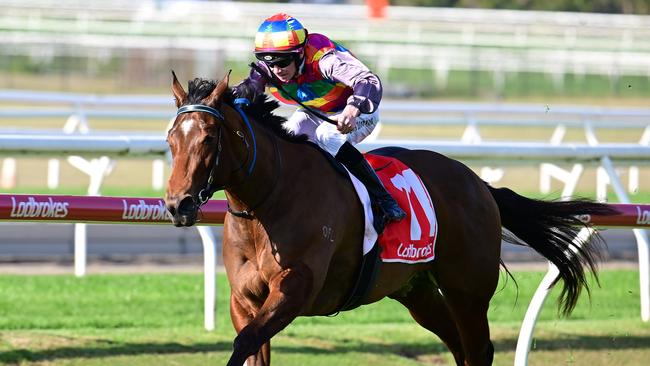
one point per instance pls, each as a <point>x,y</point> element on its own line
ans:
<point>156,319</point>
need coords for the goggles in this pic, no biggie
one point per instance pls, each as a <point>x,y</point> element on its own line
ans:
<point>279,60</point>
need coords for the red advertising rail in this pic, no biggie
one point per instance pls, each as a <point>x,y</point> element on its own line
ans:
<point>32,207</point>
<point>59,208</point>
<point>631,215</point>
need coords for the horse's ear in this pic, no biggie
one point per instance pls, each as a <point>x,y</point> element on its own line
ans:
<point>218,91</point>
<point>177,89</point>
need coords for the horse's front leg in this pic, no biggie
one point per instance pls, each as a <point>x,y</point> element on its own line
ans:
<point>241,315</point>
<point>288,293</point>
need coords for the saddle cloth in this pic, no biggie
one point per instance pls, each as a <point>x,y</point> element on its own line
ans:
<point>413,239</point>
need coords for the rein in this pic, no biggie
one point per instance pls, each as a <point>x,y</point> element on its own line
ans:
<point>206,193</point>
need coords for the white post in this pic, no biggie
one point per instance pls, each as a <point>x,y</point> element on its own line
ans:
<point>53,168</point>
<point>158,174</point>
<point>633,179</point>
<point>633,176</point>
<point>77,121</point>
<point>590,134</point>
<point>602,181</point>
<point>641,241</point>
<point>471,134</point>
<point>558,134</point>
<point>8,174</point>
<point>491,175</point>
<point>530,319</point>
<point>97,169</point>
<point>209,276</point>
<point>80,249</point>
<point>535,307</point>
<point>441,67</point>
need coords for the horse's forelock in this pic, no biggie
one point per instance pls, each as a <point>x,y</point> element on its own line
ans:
<point>199,89</point>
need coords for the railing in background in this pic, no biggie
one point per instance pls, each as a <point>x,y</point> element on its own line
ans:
<point>77,110</point>
<point>436,39</point>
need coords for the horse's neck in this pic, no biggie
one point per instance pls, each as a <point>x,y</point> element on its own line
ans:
<point>256,189</point>
<point>278,172</point>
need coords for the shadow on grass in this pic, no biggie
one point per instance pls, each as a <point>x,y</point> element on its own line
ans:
<point>341,347</point>
<point>121,349</point>
<point>435,347</point>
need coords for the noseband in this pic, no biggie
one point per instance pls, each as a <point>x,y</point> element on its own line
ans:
<point>206,193</point>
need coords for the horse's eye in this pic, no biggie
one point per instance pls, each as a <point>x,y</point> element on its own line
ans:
<point>208,140</point>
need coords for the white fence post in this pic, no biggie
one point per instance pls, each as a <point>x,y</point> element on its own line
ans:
<point>80,247</point>
<point>96,169</point>
<point>558,134</point>
<point>158,174</point>
<point>525,339</point>
<point>535,306</point>
<point>53,172</point>
<point>8,174</point>
<point>209,275</point>
<point>491,175</point>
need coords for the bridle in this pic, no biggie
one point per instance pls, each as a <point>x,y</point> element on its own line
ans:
<point>210,188</point>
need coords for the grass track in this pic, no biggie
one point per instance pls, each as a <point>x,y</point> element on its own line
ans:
<point>156,319</point>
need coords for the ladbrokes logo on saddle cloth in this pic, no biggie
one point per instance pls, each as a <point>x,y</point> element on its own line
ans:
<point>413,239</point>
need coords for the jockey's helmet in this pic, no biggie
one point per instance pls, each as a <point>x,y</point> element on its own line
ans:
<point>279,35</point>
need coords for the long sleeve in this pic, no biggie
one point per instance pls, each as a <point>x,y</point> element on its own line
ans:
<point>345,68</point>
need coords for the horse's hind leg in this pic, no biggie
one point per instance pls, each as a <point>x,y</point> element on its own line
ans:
<point>427,307</point>
<point>470,314</point>
<point>468,297</point>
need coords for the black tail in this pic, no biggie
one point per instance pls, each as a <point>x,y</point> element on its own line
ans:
<point>550,227</point>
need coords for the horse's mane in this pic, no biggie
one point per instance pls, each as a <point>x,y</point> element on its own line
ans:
<point>260,108</point>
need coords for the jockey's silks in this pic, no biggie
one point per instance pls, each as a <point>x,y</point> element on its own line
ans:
<point>311,87</point>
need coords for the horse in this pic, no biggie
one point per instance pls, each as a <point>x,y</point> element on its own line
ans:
<point>292,234</point>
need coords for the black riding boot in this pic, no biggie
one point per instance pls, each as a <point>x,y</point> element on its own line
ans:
<point>385,207</point>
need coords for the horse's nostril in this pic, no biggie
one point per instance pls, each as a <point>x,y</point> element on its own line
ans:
<point>186,206</point>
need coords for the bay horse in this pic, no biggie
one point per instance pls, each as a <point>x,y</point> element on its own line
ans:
<point>283,192</point>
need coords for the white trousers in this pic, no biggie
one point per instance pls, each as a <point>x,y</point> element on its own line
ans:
<point>325,134</point>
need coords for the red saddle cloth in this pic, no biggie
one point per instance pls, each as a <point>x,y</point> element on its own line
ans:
<point>413,239</point>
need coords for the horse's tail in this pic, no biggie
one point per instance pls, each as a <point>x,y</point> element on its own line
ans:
<point>551,228</point>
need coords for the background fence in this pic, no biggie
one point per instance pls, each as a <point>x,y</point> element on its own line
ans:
<point>140,41</point>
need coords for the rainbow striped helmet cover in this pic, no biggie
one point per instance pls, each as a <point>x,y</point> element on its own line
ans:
<point>280,33</point>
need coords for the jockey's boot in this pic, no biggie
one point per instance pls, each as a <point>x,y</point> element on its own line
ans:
<point>385,207</point>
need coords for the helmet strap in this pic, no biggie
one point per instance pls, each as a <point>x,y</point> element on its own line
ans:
<point>300,61</point>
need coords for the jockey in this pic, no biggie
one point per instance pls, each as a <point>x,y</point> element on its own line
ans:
<point>325,77</point>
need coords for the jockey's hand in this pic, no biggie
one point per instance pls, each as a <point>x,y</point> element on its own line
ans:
<point>347,120</point>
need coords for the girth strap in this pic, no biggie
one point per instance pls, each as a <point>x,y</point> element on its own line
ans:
<point>367,275</point>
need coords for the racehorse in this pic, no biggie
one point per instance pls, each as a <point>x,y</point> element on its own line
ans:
<point>283,192</point>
